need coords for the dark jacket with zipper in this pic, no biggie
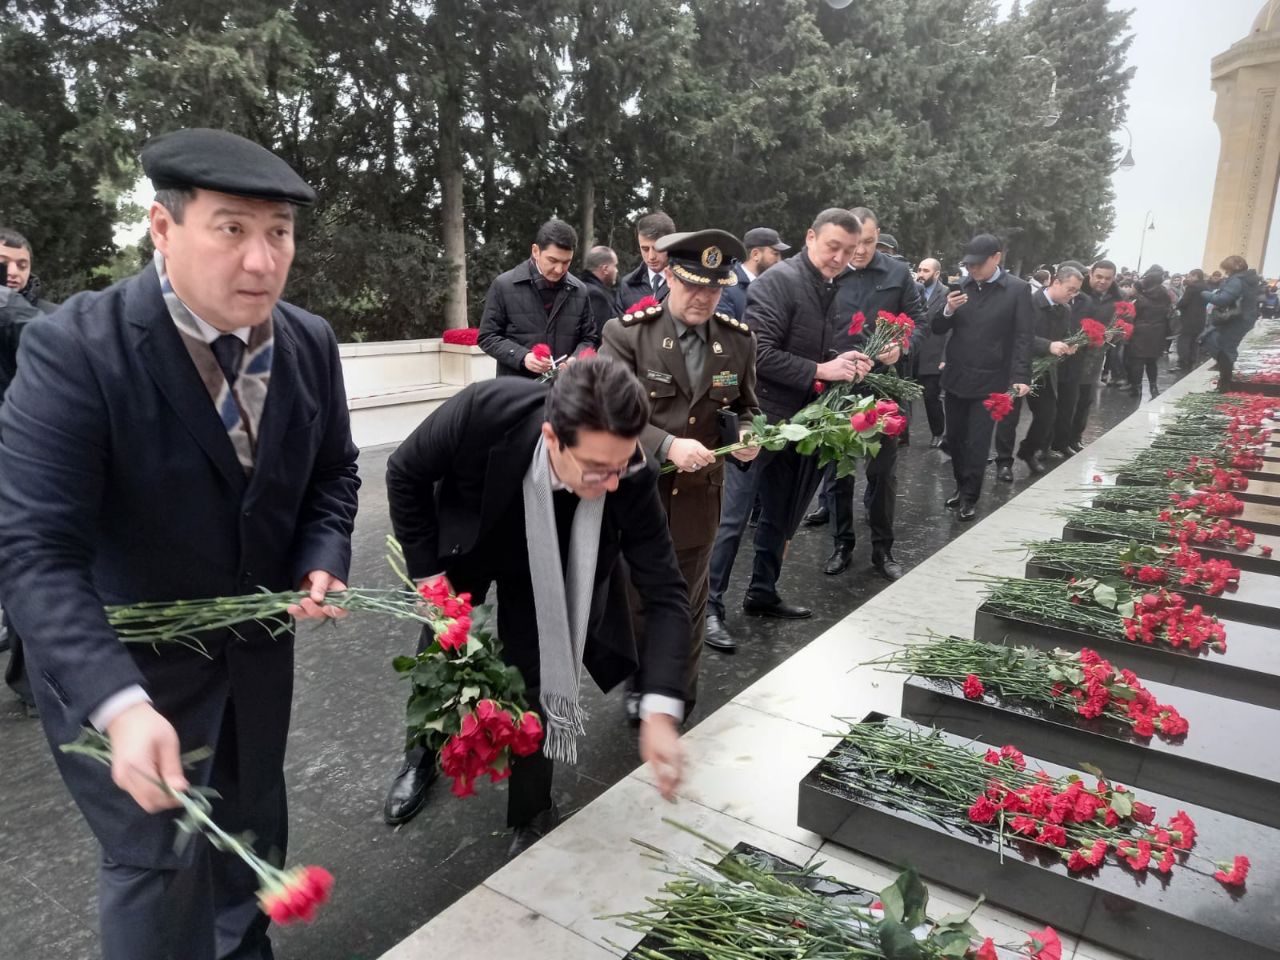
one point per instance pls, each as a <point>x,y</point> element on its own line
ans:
<point>883,284</point>
<point>792,309</point>
<point>991,337</point>
<point>634,287</point>
<point>514,320</point>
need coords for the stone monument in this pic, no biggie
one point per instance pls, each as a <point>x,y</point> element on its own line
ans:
<point>1246,80</point>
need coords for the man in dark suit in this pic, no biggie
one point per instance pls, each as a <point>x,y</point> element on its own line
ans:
<point>538,302</point>
<point>647,280</point>
<point>929,359</point>
<point>764,250</point>
<point>1051,322</point>
<point>600,277</point>
<point>460,490</point>
<point>990,322</point>
<point>182,434</point>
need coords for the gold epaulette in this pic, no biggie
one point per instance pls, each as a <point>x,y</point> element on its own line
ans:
<point>640,316</point>
<point>729,321</point>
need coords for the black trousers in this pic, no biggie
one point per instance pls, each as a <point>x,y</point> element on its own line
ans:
<point>1068,399</point>
<point>882,495</point>
<point>1189,346</point>
<point>1140,365</point>
<point>1085,393</point>
<point>933,409</point>
<point>969,429</point>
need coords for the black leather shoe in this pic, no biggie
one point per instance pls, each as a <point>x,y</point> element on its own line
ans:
<point>1034,465</point>
<point>408,793</point>
<point>1154,393</point>
<point>819,518</point>
<point>953,501</point>
<point>935,442</point>
<point>718,635</point>
<point>631,706</point>
<point>1075,447</point>
<point>1004,473</point>
<point>779,609</point>
<point>968,511</point>
<point>887,567</point>
<point>525,837</point>
<point>838,562</point>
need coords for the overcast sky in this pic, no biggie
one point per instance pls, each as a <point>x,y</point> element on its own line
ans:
<point>1175,141</point>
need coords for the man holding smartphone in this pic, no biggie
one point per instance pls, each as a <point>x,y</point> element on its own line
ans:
<point>699,369</point>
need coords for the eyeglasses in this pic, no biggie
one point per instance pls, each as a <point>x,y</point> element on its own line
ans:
<point>594,478</point>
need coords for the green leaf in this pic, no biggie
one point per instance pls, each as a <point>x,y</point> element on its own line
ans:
<point>404,664</point>
<point>899,943</point>
<point>469,694</point>
<point>909,896</point>
<point>1090,768</point>
<point>1122,804</point>
<point>793,431</point>
<point>1105,596</point>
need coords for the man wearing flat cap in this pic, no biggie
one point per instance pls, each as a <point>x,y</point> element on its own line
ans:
<point>699,368</point>
<point>183,434</point>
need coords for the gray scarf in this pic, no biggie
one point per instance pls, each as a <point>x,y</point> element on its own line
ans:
<point>562,602</point>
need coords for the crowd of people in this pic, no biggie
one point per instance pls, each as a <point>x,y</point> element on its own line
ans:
<point>185,434</point>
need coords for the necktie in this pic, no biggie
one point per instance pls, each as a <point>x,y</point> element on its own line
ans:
<point>694,351</point>
<point>659,286</point>
<point>229,350</point>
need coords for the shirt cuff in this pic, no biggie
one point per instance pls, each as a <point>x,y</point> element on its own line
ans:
<point>948,312</point>
<point>665,447</point>
<point>115,705</point>
<point>652,703</point>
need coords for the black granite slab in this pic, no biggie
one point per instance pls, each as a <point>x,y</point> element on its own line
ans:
<point>1258,517</point>
<point>1253,386</point>
<point>1269,471</point>
<point>1245,560</point>
<point>1255,599</point>
<point>1226,761</point>
<point>1248,670</point>
<point>1258,491</point>
<point>1186,915</point>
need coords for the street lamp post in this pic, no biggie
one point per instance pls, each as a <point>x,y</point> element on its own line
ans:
<point>1127,162</point>
<point>1148,224</point>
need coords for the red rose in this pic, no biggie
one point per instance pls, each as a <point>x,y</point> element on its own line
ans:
<point>857,323</point>
<point>528,736</point>
<point>886,408</point>
<point>863,422</point>
<point>893,426</point>
<point>973,687</point>
<point>541,351</point>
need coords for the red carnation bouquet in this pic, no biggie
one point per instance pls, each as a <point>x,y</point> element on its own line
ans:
<point>466,705</point>
<point>1091,334</point>
<point>890,330</point>
<point>1000,797</point>
<point>285,895</point>
<point>1000,405</point>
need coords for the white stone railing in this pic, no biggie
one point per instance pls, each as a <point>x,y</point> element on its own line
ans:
<point>393,385</point>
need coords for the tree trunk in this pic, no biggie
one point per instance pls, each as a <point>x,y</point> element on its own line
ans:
<point>452,221</point>
<point>587,202</point>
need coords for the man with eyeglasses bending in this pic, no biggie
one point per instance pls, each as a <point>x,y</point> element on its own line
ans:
<point>541,492</point>
<point>699,369</point>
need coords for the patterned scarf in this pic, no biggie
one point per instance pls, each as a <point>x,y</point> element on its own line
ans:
<point>239,408</point>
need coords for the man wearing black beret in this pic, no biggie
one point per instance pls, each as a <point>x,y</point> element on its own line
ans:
<point>183,434</point>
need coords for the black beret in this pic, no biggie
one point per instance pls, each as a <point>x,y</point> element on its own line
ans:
<point>221,161</point>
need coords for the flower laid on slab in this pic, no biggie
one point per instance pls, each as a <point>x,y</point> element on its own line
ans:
<point>1111,608</point>
<point>740,903</point>
<point>285,895</point>
<point>1001,796</point>
<point>1177,565</point>
<point>1079,682</point>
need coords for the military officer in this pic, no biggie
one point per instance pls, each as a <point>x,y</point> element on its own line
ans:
<point>699,368</point>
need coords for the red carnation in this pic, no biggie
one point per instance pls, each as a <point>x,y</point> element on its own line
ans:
<point>986,952</point>
<point>586,353</point>
<point>973,687</point>
<point>1233,874</point>
<point>463,336</point>
<point>1045,945</point>
<point>644,303</point>
<point>857,323</point>
<point>819,386</point>
<point>983,811</point>
<point>541,351</point>
<point>1095,332</point>
<point>999,405</point>
<point>303,891</point>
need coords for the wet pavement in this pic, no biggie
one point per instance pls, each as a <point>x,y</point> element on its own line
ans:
<point>345,742</point>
